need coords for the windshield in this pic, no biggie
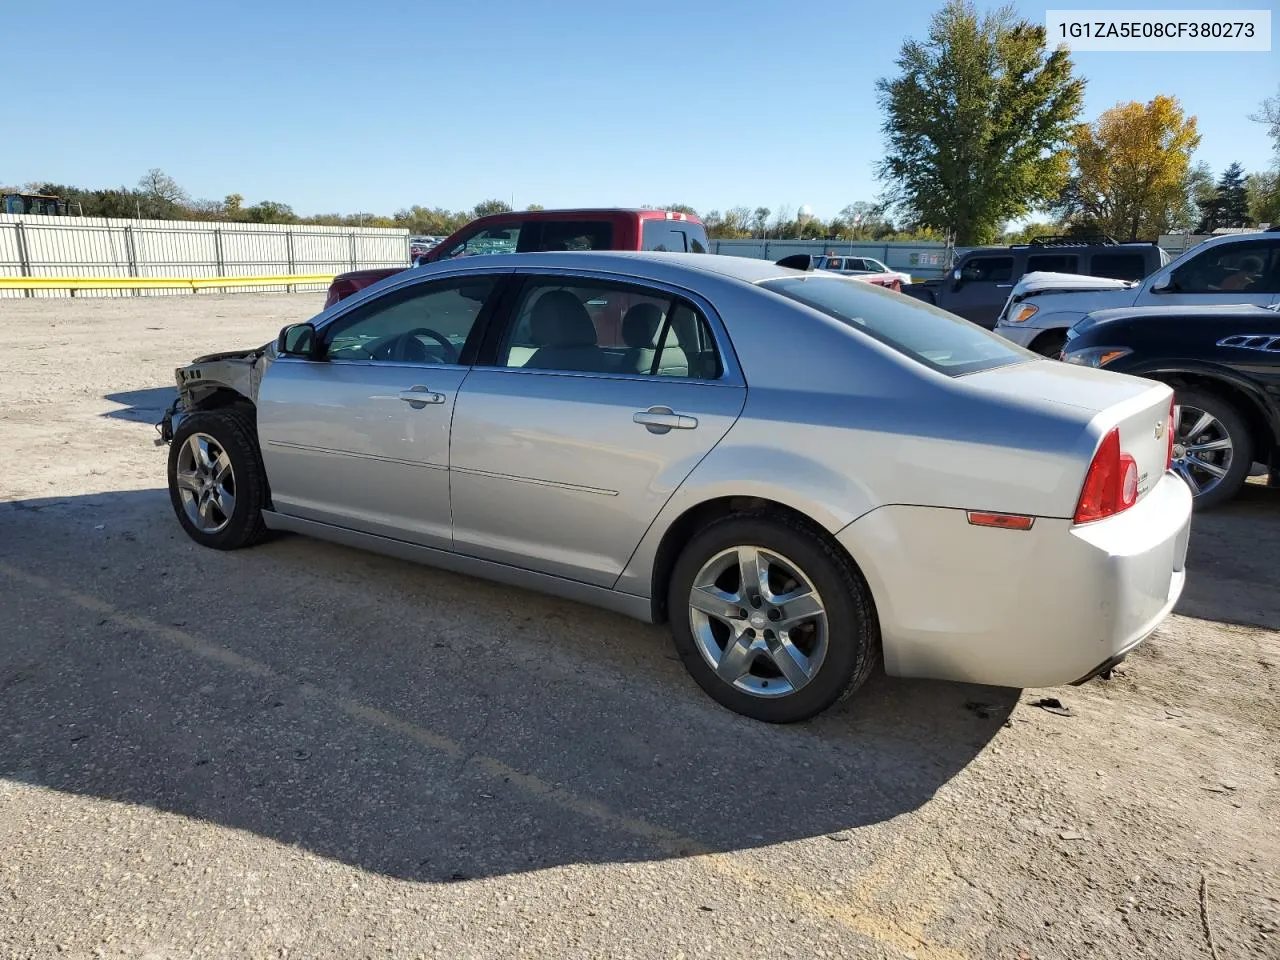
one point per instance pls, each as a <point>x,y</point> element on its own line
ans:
<point>933,337</point>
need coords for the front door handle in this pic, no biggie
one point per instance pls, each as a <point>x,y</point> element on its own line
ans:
<point>419,396</point>
<point>663,419</point>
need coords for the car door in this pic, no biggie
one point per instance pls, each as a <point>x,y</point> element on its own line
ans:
<point>981,289</point>
<point>359,435</point>
<point>1243,271</point>
<point>566,444</point>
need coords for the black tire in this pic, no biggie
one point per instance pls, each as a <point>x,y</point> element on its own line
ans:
<point>1050,343</point>
<point>235,432</point>
<point>853,640</point>
<point>1241,442</point>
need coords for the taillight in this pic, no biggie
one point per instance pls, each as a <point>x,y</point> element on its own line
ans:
<point>1111,484</point>
<point>1171,428</point>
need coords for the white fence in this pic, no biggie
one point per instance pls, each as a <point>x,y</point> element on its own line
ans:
<point>920,259</point>
<point>32,246</point>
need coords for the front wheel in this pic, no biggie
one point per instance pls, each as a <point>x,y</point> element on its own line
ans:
<point>1212,448</point>
<point>1050,343</point>
<point>771,619</point>
<point>217,484</point>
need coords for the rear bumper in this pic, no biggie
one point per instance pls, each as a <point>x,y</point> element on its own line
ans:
<point>1047,606</point>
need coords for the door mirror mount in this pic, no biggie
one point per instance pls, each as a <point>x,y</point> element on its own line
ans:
<point>1163,284</point>
<point>298,340</point>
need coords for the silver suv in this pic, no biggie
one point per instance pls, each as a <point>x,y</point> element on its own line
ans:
<point>1244,268</point>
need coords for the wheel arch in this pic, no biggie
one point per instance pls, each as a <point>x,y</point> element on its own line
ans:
<point>695,518</point>
<point>1264,424</point>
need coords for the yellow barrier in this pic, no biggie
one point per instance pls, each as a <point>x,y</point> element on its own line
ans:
<point>154,283</point>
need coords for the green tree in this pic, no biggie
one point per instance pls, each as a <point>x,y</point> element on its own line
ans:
<point>489,207</point>
<point>1263,190</point>
<point>977,122</point>
<point>1233,198</point>
<point>1133,170</point>
<point>534,207</point>
<point>760,221</point>
<point>269,211</point>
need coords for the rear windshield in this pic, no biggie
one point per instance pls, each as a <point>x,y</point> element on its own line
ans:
<point>679,236</point>
<point>933,337</point>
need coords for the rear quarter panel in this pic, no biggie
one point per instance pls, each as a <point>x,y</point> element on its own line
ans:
<point>840,425</point>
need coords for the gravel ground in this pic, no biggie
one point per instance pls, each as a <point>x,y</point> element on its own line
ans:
<point>302,750</point>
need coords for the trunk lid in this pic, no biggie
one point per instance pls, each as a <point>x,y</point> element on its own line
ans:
<point>1102,401</point>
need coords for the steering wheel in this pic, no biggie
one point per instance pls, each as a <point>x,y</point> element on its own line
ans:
<point>400,346</point>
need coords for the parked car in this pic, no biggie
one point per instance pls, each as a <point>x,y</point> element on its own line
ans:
<point>1243,268</point>
<point>808,261</point>
<point>1224,366</point>
<point>798,470</point>
<point>863,266</point>
<point>979,282</point>
<point>534,230</point>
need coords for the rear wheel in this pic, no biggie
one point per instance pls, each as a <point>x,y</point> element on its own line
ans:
<point>1212,448</point>
<point>217,484</point>
<point>770,619</point>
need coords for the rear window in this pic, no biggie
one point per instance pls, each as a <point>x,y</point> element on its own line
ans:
<point>566,235</point>
<point>939,340</point>
<point>1118,266</point>
<point>674,236</point>
<point>1054,263</point>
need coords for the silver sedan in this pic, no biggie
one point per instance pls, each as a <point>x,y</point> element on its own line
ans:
<point>801,472</point>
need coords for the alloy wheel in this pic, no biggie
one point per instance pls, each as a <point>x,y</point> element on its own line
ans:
<point>758,621</point>
<point>1202,448</point>
<point>206,482</point>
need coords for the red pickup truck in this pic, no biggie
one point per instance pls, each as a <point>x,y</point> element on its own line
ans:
<point>536,230</point>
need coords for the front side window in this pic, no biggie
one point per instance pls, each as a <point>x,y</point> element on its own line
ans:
<point>990,269</point>
<point>875,266</point>
<point>1230,268</point>
<point>503,238</point>
<point>582,326</point>
<point>1054,263</point>
<point>424,324</point>
<point>933,337</point>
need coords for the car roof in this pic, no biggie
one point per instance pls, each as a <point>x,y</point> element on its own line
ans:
<point>578,212</point>
<point>659,266</point>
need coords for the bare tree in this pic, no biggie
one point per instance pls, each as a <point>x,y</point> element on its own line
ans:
<point>157,185</point>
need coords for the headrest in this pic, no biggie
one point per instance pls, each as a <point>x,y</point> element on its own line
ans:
<point>559,319</point>
<point>641,324</point>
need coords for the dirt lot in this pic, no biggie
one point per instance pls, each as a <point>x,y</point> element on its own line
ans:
<point>302,750</point>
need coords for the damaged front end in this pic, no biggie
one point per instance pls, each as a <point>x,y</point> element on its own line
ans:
<point>215,380</point>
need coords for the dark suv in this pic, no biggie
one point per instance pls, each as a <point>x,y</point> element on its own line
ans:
<point>537,230</point>
<point>979,282</point>
<point>1223,363</point>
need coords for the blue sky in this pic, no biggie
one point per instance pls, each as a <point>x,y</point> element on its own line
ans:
<point>339,106</point>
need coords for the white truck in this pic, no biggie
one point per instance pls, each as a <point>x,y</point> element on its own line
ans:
<point>1243,268</point>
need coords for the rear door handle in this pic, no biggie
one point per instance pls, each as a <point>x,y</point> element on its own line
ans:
<point>663,419</point>
<point>419,396</point>
<point>1003,286</point>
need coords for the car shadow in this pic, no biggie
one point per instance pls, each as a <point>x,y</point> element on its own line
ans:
<point>141,406</point>
<point>1233,561</point>
<point>419,724</point>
